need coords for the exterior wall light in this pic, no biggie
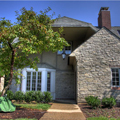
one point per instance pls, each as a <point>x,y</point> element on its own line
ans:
<point>63,54</point>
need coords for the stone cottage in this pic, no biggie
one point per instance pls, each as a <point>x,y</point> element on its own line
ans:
<point>91,66</point>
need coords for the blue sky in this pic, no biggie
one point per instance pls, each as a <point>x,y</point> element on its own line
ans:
<point>81,10</point>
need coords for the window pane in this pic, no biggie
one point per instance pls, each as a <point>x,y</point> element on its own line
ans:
<point>113,75</point>
<point>113,83</point>
<point>39,81</point>
<point>113,79</point>
<point>67,51</point>
<point>117,79</point>
<point>117,70</point>
<point>113,70</point>
<point>48,89</point>
<point>33,81</point>
<point>117,83</point>
<point>48,81</point>
<point>117,75</point>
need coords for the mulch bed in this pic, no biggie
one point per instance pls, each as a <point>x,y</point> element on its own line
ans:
<point>22,113</point>
<point>106,112</point>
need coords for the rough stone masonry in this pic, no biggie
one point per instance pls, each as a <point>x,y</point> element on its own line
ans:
<point>95,58</point>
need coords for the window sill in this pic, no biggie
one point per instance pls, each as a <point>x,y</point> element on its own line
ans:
<point>115,88</point>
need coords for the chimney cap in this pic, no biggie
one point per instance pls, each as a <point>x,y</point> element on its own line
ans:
<point>103,8</point>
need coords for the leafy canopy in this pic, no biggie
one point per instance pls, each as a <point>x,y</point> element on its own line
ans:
<point>35,36</point>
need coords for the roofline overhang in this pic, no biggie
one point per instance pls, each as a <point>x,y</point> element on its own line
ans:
<point>90,26</point>
<point>74,25</point>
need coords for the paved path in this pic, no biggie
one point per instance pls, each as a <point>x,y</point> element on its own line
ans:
<point>63,111</point>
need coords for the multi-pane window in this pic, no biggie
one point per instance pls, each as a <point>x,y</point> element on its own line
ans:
<point>115,77</point>
<point>67,49</point>
<point>33,81</point>
<point>48,81</point>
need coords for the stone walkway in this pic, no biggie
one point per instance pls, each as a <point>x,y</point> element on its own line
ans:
<point>63,111</point>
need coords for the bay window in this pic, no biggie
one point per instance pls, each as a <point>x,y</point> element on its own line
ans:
<point>41,80</point>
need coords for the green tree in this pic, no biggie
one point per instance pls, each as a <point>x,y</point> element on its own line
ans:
<point>31,34</point>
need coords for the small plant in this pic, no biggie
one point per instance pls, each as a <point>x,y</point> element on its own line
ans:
<point>108,102</point>
<point>19,96</point>
<point>39,96</point>
<point>47,97</point>
<point>10,94</point>
<point>94,102</point>
<point>29,96</point>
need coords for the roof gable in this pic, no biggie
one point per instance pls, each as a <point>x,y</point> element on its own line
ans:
<point>70,22</point>
<point>65,21</point>
<point>101,34</point>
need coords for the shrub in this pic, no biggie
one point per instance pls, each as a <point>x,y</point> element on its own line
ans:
<point>108,102</point>
<point>94,102</point>
<point>10,94</point>
<point>39,96</point>
<point>47,97</point>
<point>29,96</point>
<point>19,96</point>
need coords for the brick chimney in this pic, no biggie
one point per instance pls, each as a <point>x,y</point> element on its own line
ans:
<point>104,18</point>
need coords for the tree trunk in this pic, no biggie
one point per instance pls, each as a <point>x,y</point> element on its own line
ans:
<point>11,73</point>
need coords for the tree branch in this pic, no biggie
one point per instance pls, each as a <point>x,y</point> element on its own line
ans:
<point>11,72</point>
<point>10,46</point>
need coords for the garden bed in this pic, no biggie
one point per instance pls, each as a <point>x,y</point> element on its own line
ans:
<point>26,111</point>
<point>106,112</point>
<point>23,113</point>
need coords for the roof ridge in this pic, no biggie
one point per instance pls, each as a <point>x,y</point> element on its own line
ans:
<point>75,19</point>
<point>111,32</point>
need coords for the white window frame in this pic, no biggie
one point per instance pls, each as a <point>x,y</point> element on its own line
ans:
<point>67,52</point>
<point>43,79</point>
<point>112,76</point>
<point>32,78</point>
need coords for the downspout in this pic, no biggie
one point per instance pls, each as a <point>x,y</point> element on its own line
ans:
<point>76,81</point>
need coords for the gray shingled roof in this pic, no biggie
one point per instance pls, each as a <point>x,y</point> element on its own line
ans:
<point>70,22</point>
<point>114,30</point>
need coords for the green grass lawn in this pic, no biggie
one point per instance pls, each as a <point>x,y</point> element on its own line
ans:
<point>101,118</point>
<point>34,106</point>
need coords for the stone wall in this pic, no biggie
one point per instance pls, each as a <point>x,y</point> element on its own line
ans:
<point>65,85</point>
<point>1,83</point>
<point>95,58</point>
